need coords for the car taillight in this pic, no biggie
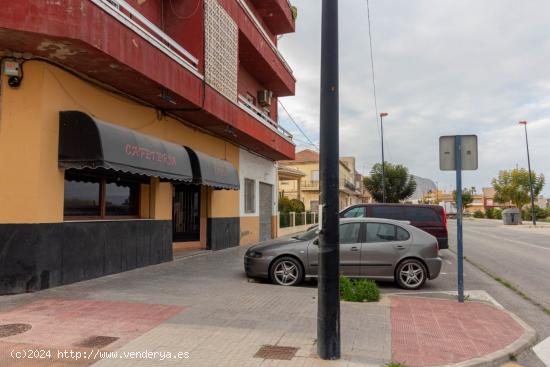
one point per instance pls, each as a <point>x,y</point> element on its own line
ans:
<point>444,218</point>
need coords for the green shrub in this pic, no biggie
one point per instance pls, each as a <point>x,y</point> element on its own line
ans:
<point>539,213</point>
<point>290,205</point>
<point>359,290</point>
<point>395,364</point>
<point>478,214</point>
<point>294,11</point>
<point>498,213</point>
<point>490,213</point>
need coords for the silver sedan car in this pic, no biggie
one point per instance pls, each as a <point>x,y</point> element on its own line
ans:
<point>379,249</point>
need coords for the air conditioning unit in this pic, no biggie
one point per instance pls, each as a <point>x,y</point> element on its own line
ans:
<point>264,97</point>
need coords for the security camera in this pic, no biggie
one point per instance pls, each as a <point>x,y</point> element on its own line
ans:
<point>14,81</point>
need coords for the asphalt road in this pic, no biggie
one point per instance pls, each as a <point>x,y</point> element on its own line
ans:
<point>522,257</point>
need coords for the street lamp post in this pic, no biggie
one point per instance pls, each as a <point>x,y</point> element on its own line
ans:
<point>382,115</point>
<point>533,213</point>
<point>328,311</point>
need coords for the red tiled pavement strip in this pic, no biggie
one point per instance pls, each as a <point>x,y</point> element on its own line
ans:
<point>65,323</point>
<point>431,332</point>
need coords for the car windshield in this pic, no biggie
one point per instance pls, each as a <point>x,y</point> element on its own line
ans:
<point>307,235</point>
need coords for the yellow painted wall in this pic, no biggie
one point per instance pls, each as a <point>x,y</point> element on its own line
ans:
<point>31,185</point>
<point>250,230</point>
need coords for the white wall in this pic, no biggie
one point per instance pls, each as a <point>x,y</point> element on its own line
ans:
<point>258,169</point>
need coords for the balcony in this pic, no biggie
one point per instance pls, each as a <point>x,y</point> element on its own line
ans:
<point>263,118</point>
<point>349,185</point>
<point>258,52</point>
<point>134,20</point>
<point>276,14</point>
<point>122,49</point>
<point>345,185</point>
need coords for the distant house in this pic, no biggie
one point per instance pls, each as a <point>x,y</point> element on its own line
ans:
<point>306,187</point>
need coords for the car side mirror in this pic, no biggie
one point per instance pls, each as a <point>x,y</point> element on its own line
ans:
<point>316,242</point>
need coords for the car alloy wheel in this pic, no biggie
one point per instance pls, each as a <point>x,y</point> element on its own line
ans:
<point>286,271</point>
<point>411,274</point>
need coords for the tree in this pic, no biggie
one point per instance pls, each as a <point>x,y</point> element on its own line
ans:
<point>513,186</point>
<point>399,184</point>
<point>467,197</point>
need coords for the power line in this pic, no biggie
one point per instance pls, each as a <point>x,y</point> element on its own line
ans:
<point>298,126</point>
<point>378,123</point>
<point>372,70</point>
<point>303,142</point>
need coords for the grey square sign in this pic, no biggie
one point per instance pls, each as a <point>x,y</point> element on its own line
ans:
<point>447,152</point>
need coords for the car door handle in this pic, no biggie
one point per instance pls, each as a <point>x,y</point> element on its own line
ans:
<point>400,247</point>
<point>355,248</point>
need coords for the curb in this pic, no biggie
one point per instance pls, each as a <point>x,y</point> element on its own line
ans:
<point>502,356</point>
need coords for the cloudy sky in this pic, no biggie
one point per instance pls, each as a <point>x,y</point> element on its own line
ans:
<point>442,67</point>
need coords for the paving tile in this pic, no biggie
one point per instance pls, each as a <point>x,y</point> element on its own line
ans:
<point>479,329</point>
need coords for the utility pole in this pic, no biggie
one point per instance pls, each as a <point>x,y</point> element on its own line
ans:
<point>328,313</point>
<point>382,115</point>
<point>533,212</point>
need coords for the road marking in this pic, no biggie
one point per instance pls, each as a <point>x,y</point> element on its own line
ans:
<point>542,350</point>
<point>510,240</point>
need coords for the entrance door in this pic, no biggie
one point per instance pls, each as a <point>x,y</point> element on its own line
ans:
<point>266,205</point>
<point>186,213</point>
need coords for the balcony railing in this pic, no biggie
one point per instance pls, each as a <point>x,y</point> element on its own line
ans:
<point>259,115</point>
<point>349,185</point>
<point>314,185</point>
<point>258,25</point>
<point>131,18</point>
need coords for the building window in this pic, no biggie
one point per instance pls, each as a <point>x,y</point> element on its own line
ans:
<point>82,197</point>
<point>90,196</point>
<point>314,176</point>
<point>249,196</point>
<point>121,198</point>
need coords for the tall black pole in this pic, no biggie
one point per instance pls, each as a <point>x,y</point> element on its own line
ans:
<point>328,313</point>
<point>533,212</point>
<point>383,161</point>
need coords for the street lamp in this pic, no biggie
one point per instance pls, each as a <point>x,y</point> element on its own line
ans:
<point>328,309</point>
<point>382,115</point>
<point>534,218</point>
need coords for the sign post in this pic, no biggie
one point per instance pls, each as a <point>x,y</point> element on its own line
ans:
<point>459,244</point>
<point>457,153</point>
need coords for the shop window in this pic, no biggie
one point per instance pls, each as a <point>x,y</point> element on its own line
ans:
<point>90,196</point>
<point>249,196</point>
<point>82,197</point>
<point>121,198</point>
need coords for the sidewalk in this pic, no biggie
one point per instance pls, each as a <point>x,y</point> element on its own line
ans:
<point>204,312</point>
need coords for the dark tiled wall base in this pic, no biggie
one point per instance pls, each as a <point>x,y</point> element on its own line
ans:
<point>39,256</point>
<point>223,233</point>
